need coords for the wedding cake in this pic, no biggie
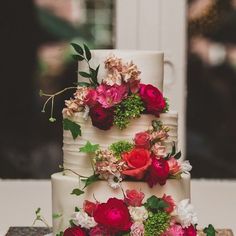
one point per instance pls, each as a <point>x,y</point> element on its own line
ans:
<point>120,146</point>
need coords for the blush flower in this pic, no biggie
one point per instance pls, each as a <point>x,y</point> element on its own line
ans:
<point>134,198</point>
<point>174,166</point>
<point>113,215</point>
<point>138,161</point>
<point>159,172</point>
<point>109,96</point>
<point>153,99</point>
<point>142,140</point>
<point>137,229</point>
<point>139,214</point>
<point>171,204</point>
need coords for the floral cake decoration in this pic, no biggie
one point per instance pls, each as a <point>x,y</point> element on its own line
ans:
<point>120,97</point>
<point>133,216</point>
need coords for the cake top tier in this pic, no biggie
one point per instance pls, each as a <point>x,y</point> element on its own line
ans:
<point>149,63</point>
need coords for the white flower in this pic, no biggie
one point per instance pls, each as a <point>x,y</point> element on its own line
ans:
<point>138,213</point>
<point>114,180</point>
<point>82,219</point>
<point>186,166</point>
<point>185,214</point>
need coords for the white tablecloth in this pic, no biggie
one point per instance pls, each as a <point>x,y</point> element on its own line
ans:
<point>214,201</point>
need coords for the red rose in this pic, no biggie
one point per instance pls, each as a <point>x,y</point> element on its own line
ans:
<point>159,172</point>
<point>142,140</point>
<point>74,231</point>
<point>113,215</point>
<point>190,231</point>
<point>89,207</point>
<point>171,204</point>
<point>153,99</point>
<point>138,161</point>
<point>134,198</point>
<point>91,97</point>
<point>102,118</point>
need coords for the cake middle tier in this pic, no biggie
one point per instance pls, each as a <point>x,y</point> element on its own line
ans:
<point>80,163</point>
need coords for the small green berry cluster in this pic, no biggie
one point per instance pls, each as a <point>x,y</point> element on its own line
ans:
<point>120,147</point>
<point>129,108</point>
<point>157,223</point>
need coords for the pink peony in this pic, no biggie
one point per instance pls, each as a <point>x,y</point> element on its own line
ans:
<point>153,99</point>
<point>134,198</point>
<point>174,166</point>
<point>113,215</point>
<point>109,96</point>
<point>171,204</point>
<point>174,230</point>
<point>91,97</point>
<point>190,231</point>
<point>159,172</point>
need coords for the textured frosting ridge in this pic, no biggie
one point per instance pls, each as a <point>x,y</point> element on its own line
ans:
<point>80,162</point>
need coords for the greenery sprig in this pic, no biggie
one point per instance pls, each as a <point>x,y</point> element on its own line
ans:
<point>84,54</point>
<point>39,217</point>
<point>128,109</point>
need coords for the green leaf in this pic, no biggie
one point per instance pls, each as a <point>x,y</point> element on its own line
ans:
<point>77,209</point>
<point>84,74</point>
<point>38,210</point>
<point>155,203</point>
<point>77,48</point>
<point>60,234</point>
<point>173,151</point>
<point>77,192</point>
<point>210,230</point>
<point>177,155</point>
<point>90,180</point>
<point>77,57</point>
<point>56,215</point>
<point>87,52</point>
<point>72,224</point>
<point>83,84</point>
<point>73,127</point>
<point>89,148</point>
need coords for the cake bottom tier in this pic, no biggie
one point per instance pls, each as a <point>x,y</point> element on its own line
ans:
<point>64,203</point>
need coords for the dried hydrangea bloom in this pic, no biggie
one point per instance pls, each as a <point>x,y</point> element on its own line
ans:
<point>130,72</point>
<point>159,150</point>
<point>80,95</point>
<point>71,107</point>
<point>113,78</point>
<point>113,63</point>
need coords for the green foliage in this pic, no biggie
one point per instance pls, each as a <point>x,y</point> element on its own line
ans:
<point>157,125</point>
<point>166,109</point>
<point>77,192</point>
<point>120,147</point>
<point>73,127</point>
<point>60,234</point>
<point>154,203</point>
<point>77,209</point>
<point>129,108</point>
<point>157,223</point>
<point>89,148</point>
<point>84,53</point>
<point>90,180</point>
<point>56,215</point>
<point>210,230</point>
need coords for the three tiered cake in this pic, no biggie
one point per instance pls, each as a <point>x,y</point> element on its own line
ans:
<point>121,165</point>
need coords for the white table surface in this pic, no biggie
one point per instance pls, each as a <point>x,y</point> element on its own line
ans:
<point>214,201</point>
